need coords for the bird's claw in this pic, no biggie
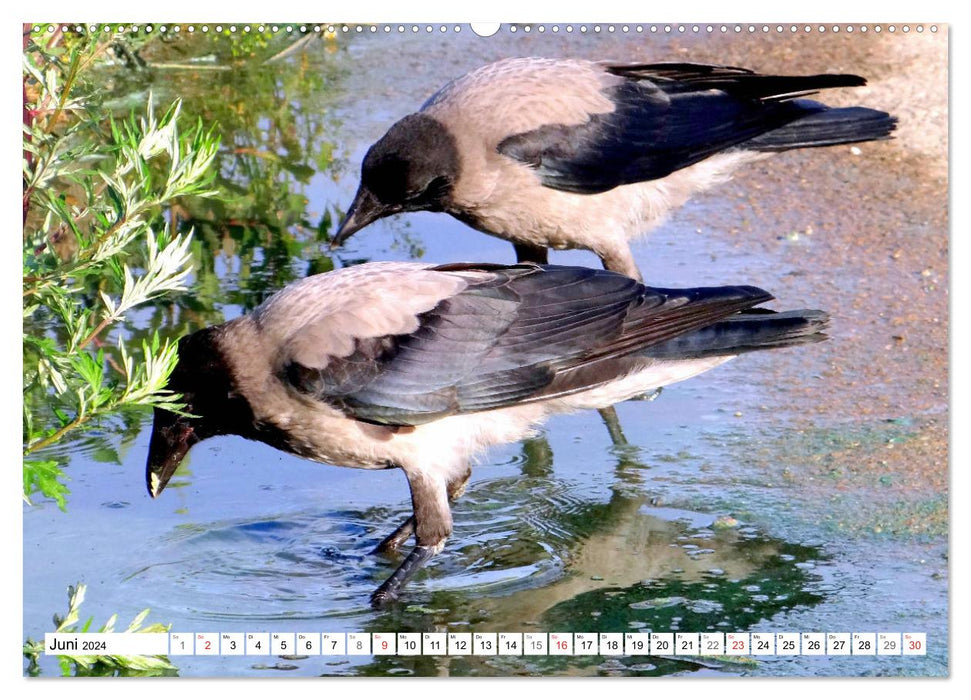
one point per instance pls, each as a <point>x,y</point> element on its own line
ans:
<point>383,598</point>
<point>649,396</point>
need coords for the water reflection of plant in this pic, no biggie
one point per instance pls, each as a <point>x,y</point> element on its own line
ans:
<point>278,128</point>
<point>275,100</point>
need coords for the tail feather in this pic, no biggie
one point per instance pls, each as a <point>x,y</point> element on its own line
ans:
<point>736,81</point>
<point>826,127</point>
<point>757,329</point>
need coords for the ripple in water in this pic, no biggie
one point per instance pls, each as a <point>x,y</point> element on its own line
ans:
<point>298,566</point>
<point>314,565</point>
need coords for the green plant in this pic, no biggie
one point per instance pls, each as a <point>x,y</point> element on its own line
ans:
<point>77,664</point>
<point>95,246</point>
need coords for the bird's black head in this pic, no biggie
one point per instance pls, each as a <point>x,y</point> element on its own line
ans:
<point>204,380</point>
<point>412,168</point>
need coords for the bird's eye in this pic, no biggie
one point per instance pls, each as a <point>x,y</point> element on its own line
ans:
<point>433,190</point>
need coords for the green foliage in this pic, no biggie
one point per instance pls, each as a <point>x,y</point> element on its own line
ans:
<point>88,665</point>
<point>245,42</point>
<point>95,246</point>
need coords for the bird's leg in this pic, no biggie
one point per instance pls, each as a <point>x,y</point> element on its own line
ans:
<point>610,419</point>
<point>456,487</point>
<point>396,538</point>
<point>620,260</point>
<point>432,523</point>
<point>529,253</point>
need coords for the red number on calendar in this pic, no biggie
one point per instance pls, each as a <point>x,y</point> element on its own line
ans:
<point>738,644</point>
<point>913,644</point>
<point>561,644</point>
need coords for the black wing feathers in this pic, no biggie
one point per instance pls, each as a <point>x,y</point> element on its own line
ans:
<point>739,82</point>
<point>827,127</point>
<point>670,116</point>
<point>749,330</point>
<point>523,334</point>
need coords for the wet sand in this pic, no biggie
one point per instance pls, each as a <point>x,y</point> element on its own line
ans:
<point>867,239</point>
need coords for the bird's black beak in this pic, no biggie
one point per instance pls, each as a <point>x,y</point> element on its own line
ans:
<point>172,436</point>
<point>365,209</point>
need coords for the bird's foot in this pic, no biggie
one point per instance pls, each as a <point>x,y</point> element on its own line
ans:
<point>648,396</point>
<point>381,599</point>
<point>392,542</point>
<point>389,591</point>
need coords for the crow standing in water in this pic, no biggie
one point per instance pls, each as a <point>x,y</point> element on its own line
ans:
<point>422,368</point>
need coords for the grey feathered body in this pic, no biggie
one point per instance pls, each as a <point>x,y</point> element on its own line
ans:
<point>419,367</point>
<point>402,364</point>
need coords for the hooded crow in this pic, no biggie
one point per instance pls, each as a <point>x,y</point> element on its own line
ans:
<point>418,367</point>
<point>552,153</point>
